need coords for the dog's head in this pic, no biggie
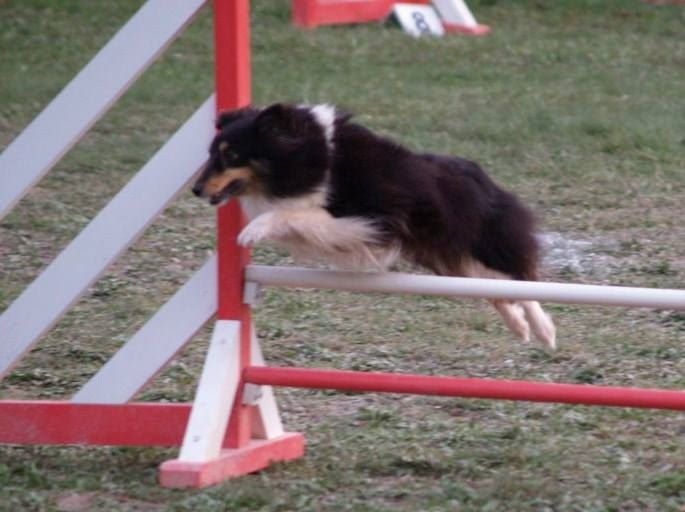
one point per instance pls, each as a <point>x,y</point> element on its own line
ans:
<point>280,150</point>
<point>227,172</point>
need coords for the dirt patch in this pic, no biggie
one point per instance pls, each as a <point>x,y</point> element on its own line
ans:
<point>563,255</point>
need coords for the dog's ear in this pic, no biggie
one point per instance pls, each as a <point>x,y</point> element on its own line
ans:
<point>281,124</point>
<point>230,116</point>
<point>276,119</point>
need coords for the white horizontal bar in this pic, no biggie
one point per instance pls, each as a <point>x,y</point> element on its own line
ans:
<point>393,282</point>
<point>89,95</point>
<point>156,343</point>
<point>110,233</point>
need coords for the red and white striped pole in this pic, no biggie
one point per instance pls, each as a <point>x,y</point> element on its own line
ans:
<point>233,90</point>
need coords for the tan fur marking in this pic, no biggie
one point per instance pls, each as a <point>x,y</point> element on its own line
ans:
<point>514,318</point>
<point>540,323</point>
<point>217,183</point>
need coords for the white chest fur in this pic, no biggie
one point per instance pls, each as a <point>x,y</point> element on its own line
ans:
<point>254,206</point>
<point>305,229</point>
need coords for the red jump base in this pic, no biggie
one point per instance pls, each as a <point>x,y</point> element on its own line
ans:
<point>255,456</point>
<point>467,30</point>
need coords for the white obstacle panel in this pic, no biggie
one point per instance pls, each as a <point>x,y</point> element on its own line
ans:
<point>156,343</point>
<point>90,94</point>
<point>124,219</point>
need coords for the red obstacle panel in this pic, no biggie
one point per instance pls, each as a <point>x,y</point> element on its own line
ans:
<point>312,13</point>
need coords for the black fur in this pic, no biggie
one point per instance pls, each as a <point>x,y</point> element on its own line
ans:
<point>440,209</point>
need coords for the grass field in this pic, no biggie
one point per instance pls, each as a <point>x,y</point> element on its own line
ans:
<point>577,105</point>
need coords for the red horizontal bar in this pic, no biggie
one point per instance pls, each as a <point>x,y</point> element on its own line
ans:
<point>60,422</point>
<point>580,394</point>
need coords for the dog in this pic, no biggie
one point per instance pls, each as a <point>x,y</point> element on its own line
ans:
<point>328,189</point>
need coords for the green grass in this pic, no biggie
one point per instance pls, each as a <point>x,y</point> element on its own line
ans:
<point>576,105</point>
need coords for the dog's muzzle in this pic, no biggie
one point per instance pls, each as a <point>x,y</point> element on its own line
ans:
<point>223,196</point>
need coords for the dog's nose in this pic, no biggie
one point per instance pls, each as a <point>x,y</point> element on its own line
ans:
<point>197,190</point>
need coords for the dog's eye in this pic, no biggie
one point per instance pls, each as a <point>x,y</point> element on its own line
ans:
<point>231,155</point>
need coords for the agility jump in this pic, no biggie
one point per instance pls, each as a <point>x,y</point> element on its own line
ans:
<point>233,426</point>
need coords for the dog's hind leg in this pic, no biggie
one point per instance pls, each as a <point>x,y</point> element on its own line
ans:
<point>521,317</point>
<point>540,323</point>
<point>514,317</point>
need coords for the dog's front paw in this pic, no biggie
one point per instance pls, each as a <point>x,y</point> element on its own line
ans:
<point>256,231</point>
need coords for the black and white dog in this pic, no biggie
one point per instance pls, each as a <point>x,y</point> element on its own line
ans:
<point>326,188</point>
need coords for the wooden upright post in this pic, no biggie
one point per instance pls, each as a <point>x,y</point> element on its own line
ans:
<point>233,90</point>
<point>254,437</point>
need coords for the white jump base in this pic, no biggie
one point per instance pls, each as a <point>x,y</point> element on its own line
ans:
<point>396,282</point>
